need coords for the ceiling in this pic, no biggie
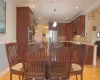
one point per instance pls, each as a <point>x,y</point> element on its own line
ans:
<point>95,15</point>
<point>44,9</point>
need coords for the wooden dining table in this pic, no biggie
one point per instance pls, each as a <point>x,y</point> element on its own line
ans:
<point>48,64</point>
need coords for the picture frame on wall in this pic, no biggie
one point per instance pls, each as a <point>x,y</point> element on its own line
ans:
<point>2,16</point>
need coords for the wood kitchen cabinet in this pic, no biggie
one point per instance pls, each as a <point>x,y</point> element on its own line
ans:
<point>89,57</point>
<point>24,21</point>
<point>79,25</point>
<point>61,29</point>
<point>64,30</point>
<point>68,31</point>
<point>76,27</point>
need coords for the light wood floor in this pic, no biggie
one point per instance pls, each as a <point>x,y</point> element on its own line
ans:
<point>90,73</point>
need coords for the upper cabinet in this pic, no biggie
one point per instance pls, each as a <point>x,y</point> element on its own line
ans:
<point>30,18</point>
<point>79,25</point>
<point>76,27</point>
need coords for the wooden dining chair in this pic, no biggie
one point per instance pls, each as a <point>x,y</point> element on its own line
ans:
<point>34,48</point>
<point>60,62</point>
<point>78,64</point>
<point>34,63</point>
<point>14,61</point>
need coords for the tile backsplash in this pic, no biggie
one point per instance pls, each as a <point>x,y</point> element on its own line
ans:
<point>80,39</point>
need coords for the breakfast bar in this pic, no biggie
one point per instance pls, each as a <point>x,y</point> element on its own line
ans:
<point>92,51</point>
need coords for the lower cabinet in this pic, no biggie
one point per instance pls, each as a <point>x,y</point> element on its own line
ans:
<point>89,57</point>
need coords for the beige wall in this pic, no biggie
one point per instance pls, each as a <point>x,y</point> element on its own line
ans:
<point>41,29</point>
<point>93,22</point>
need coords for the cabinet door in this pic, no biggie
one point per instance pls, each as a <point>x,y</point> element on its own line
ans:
<point>74,27</point>
<point>64,29</point>
<point>30,18</point>
<point>71,32</point>
<point>82,29</point>
<point>58,29</point>
<point>78,26</point>
<point>67,31</point>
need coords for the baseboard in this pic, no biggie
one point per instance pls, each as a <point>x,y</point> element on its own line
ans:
<point>4,72</point>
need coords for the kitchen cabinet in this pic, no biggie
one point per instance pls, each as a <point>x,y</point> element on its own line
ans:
<point>79,25</point>
<point>68,31</point>
<point>89,57</point>
<point>24,23</point>
<point>76,27</point>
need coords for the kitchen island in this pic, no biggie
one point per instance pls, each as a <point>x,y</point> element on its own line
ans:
<point>91,55</point>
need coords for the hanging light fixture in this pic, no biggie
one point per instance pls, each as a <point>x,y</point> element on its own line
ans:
<point>55,23</point>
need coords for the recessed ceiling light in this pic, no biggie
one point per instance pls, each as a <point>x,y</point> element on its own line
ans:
<point>66,18</point>
<point>40,18</point>
<point>33,6</point>
<point>76,7</point>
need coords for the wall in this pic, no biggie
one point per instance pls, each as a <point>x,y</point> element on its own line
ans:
<point>93,20</point>
<point>87,23</point>
<point>41,29</point>
<point>87,11</point>
<point>10,34</point>
<point>92,34</point>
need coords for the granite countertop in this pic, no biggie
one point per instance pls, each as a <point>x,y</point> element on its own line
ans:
<point>79,43</point>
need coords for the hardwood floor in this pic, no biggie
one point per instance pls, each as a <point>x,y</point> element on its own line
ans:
<point>90,73</point>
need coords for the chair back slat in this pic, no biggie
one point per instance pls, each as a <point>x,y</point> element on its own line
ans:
<point>12,53</point>
<point>34,62</point>
<point>60,61</point>
<point>35,49</point>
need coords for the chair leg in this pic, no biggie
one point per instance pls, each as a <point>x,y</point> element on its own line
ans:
<point>10,76</point>
<point>76,77</point>
<point>22,77</point>
<point>82,76</point>
<point>19,77</point>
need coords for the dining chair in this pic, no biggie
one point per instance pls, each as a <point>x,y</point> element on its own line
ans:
<point>34,63</point>
<point>78,64</point>
<point>14,60</point>
<point>34,48</point>
<point>60,62</point>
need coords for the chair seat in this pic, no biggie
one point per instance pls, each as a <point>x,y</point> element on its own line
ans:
<point>76,67</point>
<point>34,75</point>
<point>18,67</point>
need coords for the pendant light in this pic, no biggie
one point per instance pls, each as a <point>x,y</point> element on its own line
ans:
<point>55,23</point>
